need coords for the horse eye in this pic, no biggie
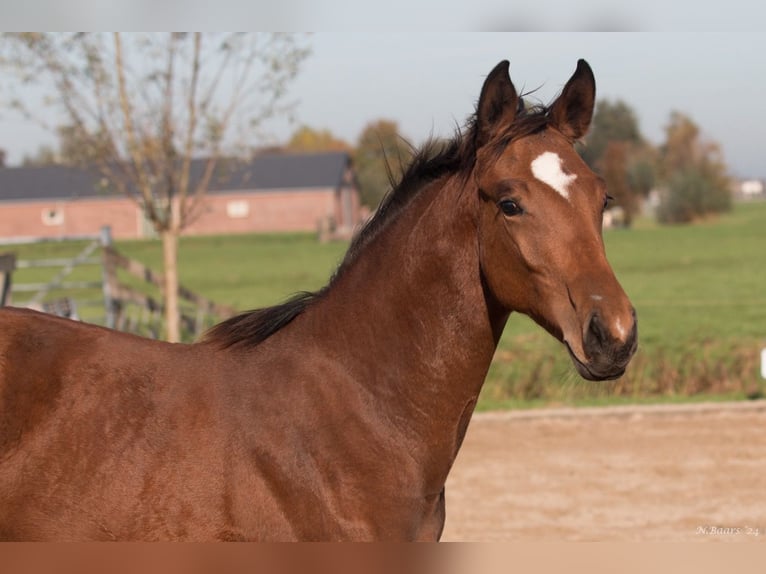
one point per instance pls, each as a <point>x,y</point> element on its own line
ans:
<point>510,207</point>
<point>607,199</point>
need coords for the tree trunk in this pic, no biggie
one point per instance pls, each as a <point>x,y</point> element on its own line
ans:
<point>170,264</point>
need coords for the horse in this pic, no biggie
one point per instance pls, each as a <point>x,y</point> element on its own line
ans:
<point>336,415</point>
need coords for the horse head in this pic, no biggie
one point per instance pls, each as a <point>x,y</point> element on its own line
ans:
<point>540,223</point>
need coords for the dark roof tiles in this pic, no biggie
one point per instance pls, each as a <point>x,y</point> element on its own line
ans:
<point>263,172</point>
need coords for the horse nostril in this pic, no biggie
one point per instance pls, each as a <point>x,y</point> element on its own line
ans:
<point>596,336</point>
<point>609,347</point>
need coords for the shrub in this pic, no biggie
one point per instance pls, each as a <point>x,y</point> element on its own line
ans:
<point>692,194</point>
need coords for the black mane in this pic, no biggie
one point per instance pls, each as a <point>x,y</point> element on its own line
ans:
<point>432,161</point>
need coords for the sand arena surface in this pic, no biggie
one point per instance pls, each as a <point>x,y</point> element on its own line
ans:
<point>677,472</point>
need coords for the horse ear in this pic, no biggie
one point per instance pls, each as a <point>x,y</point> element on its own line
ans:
<point>572,111</point>
<point>497,104</point>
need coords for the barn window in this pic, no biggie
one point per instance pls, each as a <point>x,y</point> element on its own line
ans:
<point>238,209</point>
<point>53,216</point>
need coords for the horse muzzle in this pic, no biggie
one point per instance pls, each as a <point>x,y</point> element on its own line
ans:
<point>608,349</point>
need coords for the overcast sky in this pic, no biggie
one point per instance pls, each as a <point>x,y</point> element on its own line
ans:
<point>429,82</point>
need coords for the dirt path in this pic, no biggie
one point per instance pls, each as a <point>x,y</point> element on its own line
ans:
<point>639,473</point>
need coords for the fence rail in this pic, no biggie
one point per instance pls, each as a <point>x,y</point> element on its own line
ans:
<point>126,307</point>
<point>59,262</point>
<point>122,293</point>
<point>45,288</point>
<point>7,266</point>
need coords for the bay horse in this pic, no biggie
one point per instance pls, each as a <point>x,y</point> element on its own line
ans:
<point>338,414</point>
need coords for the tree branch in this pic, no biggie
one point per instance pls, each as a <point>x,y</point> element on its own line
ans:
<point>134,149</point>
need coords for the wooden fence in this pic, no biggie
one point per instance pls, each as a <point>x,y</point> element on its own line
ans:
<point>131,308</point>
<point>7,266</point>
<point>118,296</point>
<point>42,292</point>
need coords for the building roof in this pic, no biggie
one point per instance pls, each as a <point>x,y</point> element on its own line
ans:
<point>287,171</point>
<point>265,172</point>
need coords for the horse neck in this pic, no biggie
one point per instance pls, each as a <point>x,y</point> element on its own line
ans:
<point>414,301</point>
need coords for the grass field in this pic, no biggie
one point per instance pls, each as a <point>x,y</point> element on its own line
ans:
<point>700,294</point>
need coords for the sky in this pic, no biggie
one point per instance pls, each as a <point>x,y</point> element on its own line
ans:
<point>372,15</point>
<point>429,83</point>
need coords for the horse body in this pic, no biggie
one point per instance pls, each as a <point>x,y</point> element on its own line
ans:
<point>132,451</point>
<point>192,442</point>
<point>332,417</point>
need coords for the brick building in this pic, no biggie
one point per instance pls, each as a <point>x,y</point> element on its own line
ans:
<point>271,193</point>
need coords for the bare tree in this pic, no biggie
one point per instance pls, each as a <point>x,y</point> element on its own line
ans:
<point>143,106</point>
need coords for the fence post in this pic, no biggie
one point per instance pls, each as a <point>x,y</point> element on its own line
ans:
<point>7,266</point>
<point>107,276</point>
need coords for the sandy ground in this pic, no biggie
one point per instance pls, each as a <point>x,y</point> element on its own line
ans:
<point>680,473</point>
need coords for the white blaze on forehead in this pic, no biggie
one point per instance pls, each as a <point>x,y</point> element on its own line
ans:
<point>547,168</point>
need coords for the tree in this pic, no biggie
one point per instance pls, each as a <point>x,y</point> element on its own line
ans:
<point>616,149</point>
<point>614,169</point>
<point>45,155</point>
<point>642,170</point>
<point>380,154</point>
<point>141,106</point>
<point>307,139</point>
<point>682,148</point>
<point>693,171</point>
<point>72,151</point>
<point>612,121</point>
<point>76,150</point>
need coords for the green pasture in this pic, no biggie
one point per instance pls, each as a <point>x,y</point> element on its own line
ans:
<point>700,295</point>
<point>699,290</point>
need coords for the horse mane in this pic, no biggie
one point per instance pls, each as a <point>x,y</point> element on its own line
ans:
<point>434,160</point>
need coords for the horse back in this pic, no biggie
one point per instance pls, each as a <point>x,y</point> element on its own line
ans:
<point>87,417</point>
<point>35,353</point>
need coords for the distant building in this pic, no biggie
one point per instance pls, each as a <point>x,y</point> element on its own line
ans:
<point>272,193</point>
<point>751,188</point>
